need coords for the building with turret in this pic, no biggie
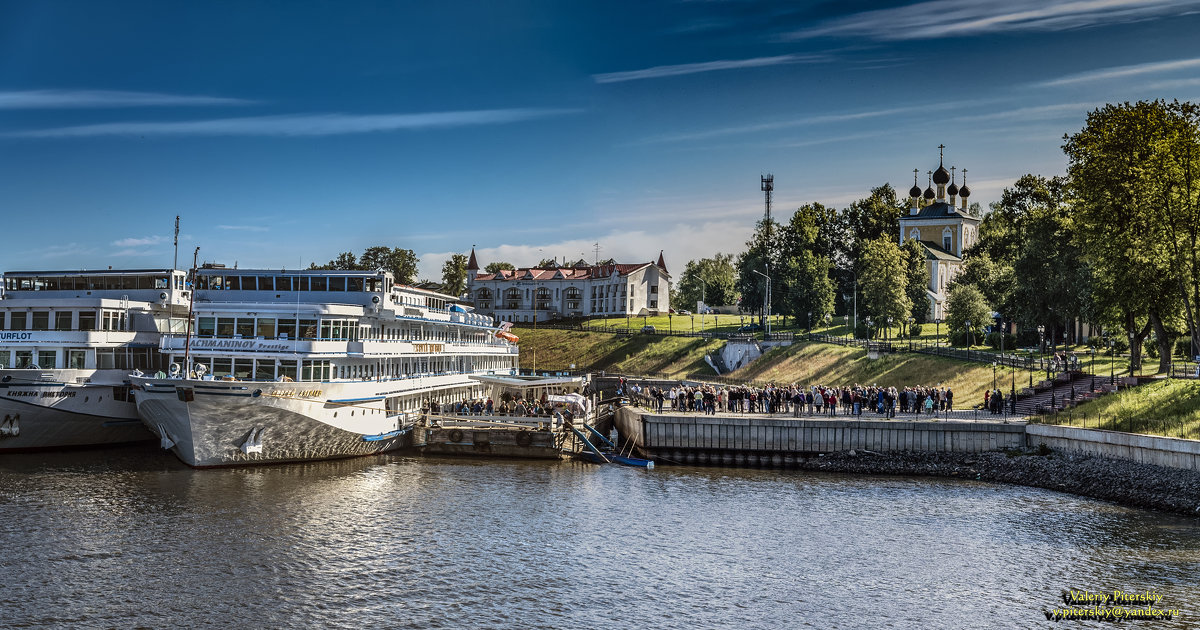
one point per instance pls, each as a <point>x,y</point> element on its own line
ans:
<point>939,221</point>
<point>533,294</point>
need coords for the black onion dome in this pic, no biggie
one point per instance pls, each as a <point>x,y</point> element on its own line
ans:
<point>941,176</point>
<point>915,191</point>
<point>964,191</point>
<point>952,190</point>
<point>929,194</point>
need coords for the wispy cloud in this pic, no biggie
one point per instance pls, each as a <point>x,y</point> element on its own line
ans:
<point>77,99</point>
<point>658,72</point>
<point>140,242</point>
<point>299,125</point>
<point>948,18</point>
<point>1041,112</point>
<point>244,228</point>
<point>1121,72</point>
<point>807,120</point>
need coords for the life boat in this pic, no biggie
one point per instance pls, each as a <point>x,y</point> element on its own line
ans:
<point>507,336</point>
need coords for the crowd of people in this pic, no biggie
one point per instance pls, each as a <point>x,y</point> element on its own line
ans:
<point>487,407</point>
<point>813,400</point>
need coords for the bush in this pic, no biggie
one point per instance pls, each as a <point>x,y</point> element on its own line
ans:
<point>1183,347</point>
<point>1120,344</point>
<point>862,332</point>
<point>961,337</point>
<point>915,329</point>
<point>1028,337</point>
<point>1010,341</point>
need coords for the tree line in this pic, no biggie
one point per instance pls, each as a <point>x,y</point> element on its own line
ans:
<point>1113,243</point>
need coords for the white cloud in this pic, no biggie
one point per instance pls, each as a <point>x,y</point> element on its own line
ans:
<point>69,99</point>
<point>244,228</point>
<point>658,72</point>
<point>299,125</point>
<point>949,18</point>
<point>1120,72</point>
<point>140,242</point>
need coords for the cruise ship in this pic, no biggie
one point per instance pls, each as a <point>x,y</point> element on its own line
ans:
<point>68,341</point>
<point>285,366</point>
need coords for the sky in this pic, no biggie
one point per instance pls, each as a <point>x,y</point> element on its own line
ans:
<point>283,133</point>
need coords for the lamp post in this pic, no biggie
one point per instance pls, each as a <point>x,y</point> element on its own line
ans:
<point>1092,365</point>
<point>846,321</point>
<point>937,341</point>
<point>970,337</point>
<point>1013,396</point>
<point>994,364</point>
<point>767,301</point>
<point>809,321</point>
<point>1112,358</point>
<point>887,331</point>
<point>1042,346</point>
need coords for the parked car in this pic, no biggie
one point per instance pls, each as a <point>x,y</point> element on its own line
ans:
<point>685,312</point>
<point>648,329</point>
<point>750,328</point>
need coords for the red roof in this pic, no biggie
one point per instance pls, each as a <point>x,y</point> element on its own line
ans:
<point>568,273</point>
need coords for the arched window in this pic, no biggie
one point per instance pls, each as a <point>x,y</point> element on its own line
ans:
<point>948,240</point>
<point>915,234</point>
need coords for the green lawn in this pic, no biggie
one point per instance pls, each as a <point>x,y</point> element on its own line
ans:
<point>1168,407</point>
<point>550,349</point>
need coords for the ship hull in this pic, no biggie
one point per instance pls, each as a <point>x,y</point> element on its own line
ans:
<point>213,424</point>
<point>49,415</point>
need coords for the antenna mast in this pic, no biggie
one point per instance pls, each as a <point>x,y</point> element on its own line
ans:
<point>176,264</point>
<point>596,247</point>
<point>768,186</point>
<point>187,338</point>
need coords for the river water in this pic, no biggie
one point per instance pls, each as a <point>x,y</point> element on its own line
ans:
<point>131,538</point>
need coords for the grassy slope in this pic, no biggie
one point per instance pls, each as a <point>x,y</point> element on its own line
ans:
<point>1165,407</point>
<point>641,354</point>
<point>836,365</point>
<point>1168,407</point>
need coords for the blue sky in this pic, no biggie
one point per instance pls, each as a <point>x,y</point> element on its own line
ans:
<point>285,132</point>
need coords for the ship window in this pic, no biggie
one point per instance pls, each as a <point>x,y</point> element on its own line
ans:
<point>264,370</point>
<point>287,369</point>
<point>162,283</point>
<point>266,328</point>
<point>233,283</point>
<point>281,284</point>
<point>206,326</point>
<point>24,359</point>
<point>287,329</point>
<point>308,329</point>
<point>76,359</point>
<point>337,284</point>
<point>47,359</point>
<point>245,327</point>
<point>320,284</point>
<point>41,320</point>
<point>354,284</point>
<point>242,368</point>
<point>62,320</point>
<point>225,326</point>
<point>222,367</point>
<point>87,320</point>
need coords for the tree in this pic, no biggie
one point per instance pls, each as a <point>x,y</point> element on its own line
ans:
<point>711,280</point>
<point>548,263</point>
<point>497,266</point>
<point>760,257</point>
<point>966,304</point>
<point>883,282</point>
<point>401,262</point>
<point>916,274</point>
<point>1122,175</point>
<point>803,283</point>
<point>877,216</point>
<point>454,275</point>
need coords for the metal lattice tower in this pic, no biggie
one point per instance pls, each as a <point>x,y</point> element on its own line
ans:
<point>768,186</point>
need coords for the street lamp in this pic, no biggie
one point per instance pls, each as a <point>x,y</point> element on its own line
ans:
<point>767,301</point>
<point>868,318</point>
<point>1013,396</point>
<point>1092,365</point>
<point>888,330</point>
<point>994,364</point>
<point>1112,358</point>
<point>970,337</point>
<point>1042,345</point>
<point>809,321</point>
<point>846,321</point>
<point>938,337</point>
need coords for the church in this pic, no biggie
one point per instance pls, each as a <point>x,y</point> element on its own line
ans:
<point>938,220</point>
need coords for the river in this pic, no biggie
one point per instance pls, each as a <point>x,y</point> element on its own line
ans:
<point>131,538</point>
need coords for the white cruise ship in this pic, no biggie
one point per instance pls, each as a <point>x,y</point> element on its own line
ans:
<point>287,366</point>
<point>68,341</point>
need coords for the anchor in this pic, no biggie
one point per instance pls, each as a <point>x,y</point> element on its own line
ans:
<point>11,426</point>
<point>253,443</point>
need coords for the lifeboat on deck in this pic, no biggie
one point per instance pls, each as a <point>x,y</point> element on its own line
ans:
<point>507,336</point>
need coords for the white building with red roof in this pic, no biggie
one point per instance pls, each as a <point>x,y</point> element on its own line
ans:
<point>537,294</point>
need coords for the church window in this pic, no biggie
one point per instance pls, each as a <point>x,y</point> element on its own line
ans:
<point>947,240</point>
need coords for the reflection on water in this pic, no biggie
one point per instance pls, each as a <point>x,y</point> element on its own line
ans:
<point>130,538</point>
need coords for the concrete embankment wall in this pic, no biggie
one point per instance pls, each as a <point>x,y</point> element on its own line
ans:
<point>664,435</point>
<point>1145,449</point>
<point>759,439</point>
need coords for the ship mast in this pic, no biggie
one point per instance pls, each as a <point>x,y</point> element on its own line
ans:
<point>187,338</point>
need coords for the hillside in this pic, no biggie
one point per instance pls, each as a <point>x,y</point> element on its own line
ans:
<point>1164,407</point>
<point>672,357</point>
<point>807,363</point>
